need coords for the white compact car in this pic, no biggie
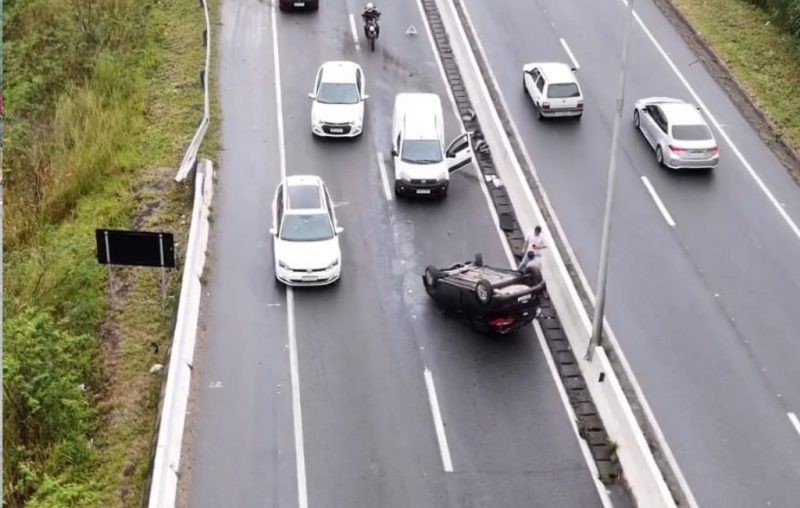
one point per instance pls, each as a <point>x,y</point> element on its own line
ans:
<point>338,108</point>
<point>677,132</point>
<point>553,88</point>
<point>305,232</point>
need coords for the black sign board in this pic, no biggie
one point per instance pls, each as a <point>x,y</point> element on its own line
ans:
<point>136,248</point>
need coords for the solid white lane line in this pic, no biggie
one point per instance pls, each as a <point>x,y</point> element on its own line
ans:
<point>761,185</point>
<point>659,203</point>
<point>354,30</point>
<point>278,97</point>
<point>437,422</point>
<point>387,189</point>
<point>297,412</point>
<point>795,421</point>
<point>571,56</point>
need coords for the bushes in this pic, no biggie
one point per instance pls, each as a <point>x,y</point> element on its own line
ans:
<point>785,12</point>
<point>47,421</point>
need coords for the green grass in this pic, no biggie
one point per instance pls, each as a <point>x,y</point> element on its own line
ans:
<point>102,98</point>
<point>762,56</point>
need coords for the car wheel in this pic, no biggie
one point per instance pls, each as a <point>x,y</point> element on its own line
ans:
<point>483,291</point>
<point>539,114</point>
<point>432,276</point>
<point>636,119</point>
<point>478,259</point>
<point>659,156</point>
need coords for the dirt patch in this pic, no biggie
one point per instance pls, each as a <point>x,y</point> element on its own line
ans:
<point>735,91</point>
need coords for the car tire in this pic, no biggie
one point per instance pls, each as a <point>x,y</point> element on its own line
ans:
<point>659,156</point>
<point>478,259</point>
<point>483,292</point>
<point>539,114</point>
<point>432,276</point>
<point>636,119</point>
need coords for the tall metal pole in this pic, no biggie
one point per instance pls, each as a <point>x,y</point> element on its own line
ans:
<point>602,273</point>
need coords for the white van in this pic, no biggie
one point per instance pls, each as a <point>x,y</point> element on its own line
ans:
<point>422,164</point>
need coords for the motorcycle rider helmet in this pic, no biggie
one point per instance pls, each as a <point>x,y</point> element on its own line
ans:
<point>370,7</point>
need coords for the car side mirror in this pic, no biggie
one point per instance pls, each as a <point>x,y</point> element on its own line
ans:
<point>273,231</point>
<point>311,95</point>
<point>574,69</point>
<point>394,152</point>
<point>449,155</point>
<point>364,97</point>
<point>339,230</point>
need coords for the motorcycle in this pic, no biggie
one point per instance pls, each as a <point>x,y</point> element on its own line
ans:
<point>371,29</point>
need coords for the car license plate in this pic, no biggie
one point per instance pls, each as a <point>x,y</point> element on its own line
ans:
<point>299,4</point>
<point>309,277</point>
<point>423,191</point>
<point>524,298</point>
<point>337,131</point>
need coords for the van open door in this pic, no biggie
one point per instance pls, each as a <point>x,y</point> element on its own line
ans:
<point>459,152</point>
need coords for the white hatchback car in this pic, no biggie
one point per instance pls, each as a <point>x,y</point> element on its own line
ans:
<point>553,88</point>
<point>306,233</point>
<point>338,108</point>
<point>677,132</point>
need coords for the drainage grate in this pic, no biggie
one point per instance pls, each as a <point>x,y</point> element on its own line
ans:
<point>589,424</point>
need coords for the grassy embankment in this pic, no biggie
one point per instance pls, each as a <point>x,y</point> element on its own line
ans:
<point>101,99</point>
<point>759,41</point>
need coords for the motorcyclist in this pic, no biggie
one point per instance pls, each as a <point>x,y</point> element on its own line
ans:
<point>371,13</point>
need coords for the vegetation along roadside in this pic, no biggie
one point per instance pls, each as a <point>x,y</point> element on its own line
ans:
<point>758,41</point>
<point>102,98</point>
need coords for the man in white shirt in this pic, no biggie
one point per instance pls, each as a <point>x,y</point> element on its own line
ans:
<point>535,241</point>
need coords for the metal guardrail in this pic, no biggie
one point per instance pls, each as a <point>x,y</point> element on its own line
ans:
<point>190,157</point>
<point>166,463</point>
<point>163,480</point>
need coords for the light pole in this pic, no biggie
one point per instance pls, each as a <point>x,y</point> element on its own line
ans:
<point>602,273</point>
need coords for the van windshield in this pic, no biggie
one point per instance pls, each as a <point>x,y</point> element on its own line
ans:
<point>422,151</point>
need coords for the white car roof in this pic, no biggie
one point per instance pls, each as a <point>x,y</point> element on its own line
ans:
<point>556,72</point>
<point>339,71</point>
<point>299,199</point>
<point>682,113</point>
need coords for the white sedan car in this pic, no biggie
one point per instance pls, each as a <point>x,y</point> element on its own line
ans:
<point>306,233</point>
<point>677,132</point>
<point>338,108</point>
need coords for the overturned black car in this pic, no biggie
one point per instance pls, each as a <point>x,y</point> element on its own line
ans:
<point>494,300</point>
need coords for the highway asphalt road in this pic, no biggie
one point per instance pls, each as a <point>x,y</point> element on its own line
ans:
<point>363,345</point>
<point>706,311</point>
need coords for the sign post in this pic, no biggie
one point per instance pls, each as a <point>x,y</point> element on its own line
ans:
<point>110,271</point>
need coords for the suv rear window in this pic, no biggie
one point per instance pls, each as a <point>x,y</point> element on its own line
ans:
<point>563,91</point>
<point>691,132</point>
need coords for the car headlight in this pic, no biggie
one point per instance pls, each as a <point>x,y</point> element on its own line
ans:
<point>444,175</point>
<point>333,264</point>
<point>283,265</point>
